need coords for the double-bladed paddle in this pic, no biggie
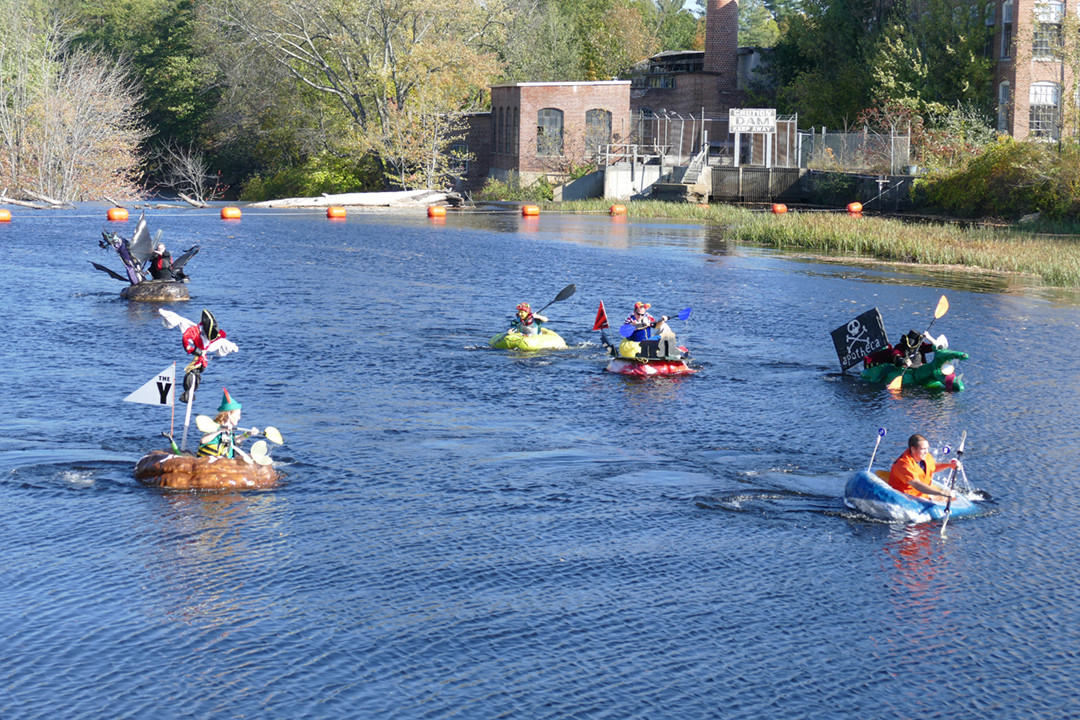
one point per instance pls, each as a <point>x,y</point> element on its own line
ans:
<point>563,294</point>
<point>206,424</point>
<point>952,482</point>
<point>628,329</point>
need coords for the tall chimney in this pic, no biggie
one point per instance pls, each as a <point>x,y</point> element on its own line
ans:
<point>722,41</point>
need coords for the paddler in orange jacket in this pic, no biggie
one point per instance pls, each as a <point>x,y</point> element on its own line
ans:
<point>913,472</point>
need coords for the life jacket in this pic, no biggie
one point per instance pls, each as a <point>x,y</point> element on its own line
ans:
<point>907,468</point>
<point>221,445</point>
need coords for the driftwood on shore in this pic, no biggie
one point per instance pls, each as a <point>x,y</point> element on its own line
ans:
<point>193,202</point>
<point>4,199</point>
<point>47,199</point>
<point>403,198</point>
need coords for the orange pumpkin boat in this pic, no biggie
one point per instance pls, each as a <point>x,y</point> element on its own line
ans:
<point>160,468</point>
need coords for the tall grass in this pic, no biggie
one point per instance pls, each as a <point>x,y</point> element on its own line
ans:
<point>1055,259</point>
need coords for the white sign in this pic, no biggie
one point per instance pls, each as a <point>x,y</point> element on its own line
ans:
<point>158,391</point>
<point>752,120</point>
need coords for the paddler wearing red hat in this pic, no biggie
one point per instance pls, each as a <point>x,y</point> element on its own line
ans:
<point>526,321</point>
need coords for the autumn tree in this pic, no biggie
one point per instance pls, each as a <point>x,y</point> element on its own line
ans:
<point>389,65</point>
<point>69,119</point>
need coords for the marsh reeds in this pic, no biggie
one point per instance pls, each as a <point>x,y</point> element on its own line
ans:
<point>1055,259</point>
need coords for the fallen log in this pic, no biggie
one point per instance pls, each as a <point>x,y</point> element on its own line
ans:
<point>192,201</point>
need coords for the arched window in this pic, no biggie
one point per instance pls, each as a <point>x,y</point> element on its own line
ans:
<point>1044,100</point>
<point>515,137</point>
<point>549,132</point>
<point>499,129</point>
<point>1004,106</point>
<point>597,130</point>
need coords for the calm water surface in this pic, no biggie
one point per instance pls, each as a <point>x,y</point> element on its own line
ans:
<point>470,533</point>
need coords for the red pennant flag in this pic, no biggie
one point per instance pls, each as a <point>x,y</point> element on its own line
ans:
<point>601,318</point>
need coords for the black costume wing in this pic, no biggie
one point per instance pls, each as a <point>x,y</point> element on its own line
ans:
<point>104,269</point>
<point>188,254</point>
<point>141,246</point>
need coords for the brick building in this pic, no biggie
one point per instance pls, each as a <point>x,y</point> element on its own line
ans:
<point>1031,80</point>
<point>549,128</point>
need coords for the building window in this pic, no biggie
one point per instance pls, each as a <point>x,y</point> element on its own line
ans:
<point>647,126</point>
<point>1004,107</point>
<point>988,48</point>
<point>459,159</point>
<point>1043,110</point>
<point>549,132</point>
<point>499,120</point>
<point>1046,42</point>
<point>514,138</point>
<point>1006,29</point>
<point>597,130</point>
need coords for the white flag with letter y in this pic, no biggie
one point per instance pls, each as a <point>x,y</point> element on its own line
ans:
<point>158,391</point>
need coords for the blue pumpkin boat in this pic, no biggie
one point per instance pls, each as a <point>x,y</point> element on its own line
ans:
<point>871,494</point>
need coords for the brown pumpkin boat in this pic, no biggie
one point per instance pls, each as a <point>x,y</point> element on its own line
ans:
<point>163,469</point>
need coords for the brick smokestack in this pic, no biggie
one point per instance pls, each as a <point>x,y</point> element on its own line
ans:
<point>722,41</point>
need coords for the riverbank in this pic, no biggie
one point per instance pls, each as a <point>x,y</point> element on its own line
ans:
<point>1052,258</point>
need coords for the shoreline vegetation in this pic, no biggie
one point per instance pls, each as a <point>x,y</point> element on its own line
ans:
<point>1048,252</point>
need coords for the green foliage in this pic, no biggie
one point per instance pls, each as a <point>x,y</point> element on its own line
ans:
<point>539,191</point>
<point>931,57</point>
<point>757,27</point>
<point>159,37</point>
<point>318,175</point>
<point>1009,179</point>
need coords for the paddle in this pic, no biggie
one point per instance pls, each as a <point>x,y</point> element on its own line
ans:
<point>880,434</point>
<point>629,329</point>
<point>563,294</point>
<point>941,309</point>
<point>206,424</point>
<point>952,483</point>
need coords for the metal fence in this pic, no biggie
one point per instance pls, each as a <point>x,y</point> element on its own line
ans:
<point>854,151</point>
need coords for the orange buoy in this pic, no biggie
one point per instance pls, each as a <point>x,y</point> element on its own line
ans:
<point>230,213</point>
<point>117,214</point>
<point>855,207</point>
<point>779,208</point>
<point>617,210</point>
<point>335,212</point>
<point>436,211</point>
<point>5,216</point>
<point>530,210</point>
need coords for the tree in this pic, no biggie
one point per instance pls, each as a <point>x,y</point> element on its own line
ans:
<point>376,60</point>
<point>613,35</point>
<point>69,119</point>
<point>159,41</point>
<point>757,28</point>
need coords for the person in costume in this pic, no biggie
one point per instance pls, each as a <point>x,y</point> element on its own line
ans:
<point>526,321</point>
<point>224,441</point>
<point>913,472</point>
<point>910,351</point>
<point>646,327</point>
<point>161,264</point>
<point>199,340</point>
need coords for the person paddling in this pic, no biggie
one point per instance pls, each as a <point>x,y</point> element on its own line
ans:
<point>646,327</point>
<point>526,321</point>
<point>913,472</point>
<point>224,441</point>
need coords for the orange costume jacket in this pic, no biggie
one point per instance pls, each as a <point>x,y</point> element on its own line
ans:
<point>907,468</point>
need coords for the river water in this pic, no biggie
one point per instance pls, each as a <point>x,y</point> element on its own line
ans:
<point>471,533</point>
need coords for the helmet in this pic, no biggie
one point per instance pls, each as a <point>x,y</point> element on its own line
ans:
<point>524,309</point>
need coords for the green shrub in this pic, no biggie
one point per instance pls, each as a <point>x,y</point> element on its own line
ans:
<point>1007,180</point>
<point>319,174</point>
<point>539,191</point>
